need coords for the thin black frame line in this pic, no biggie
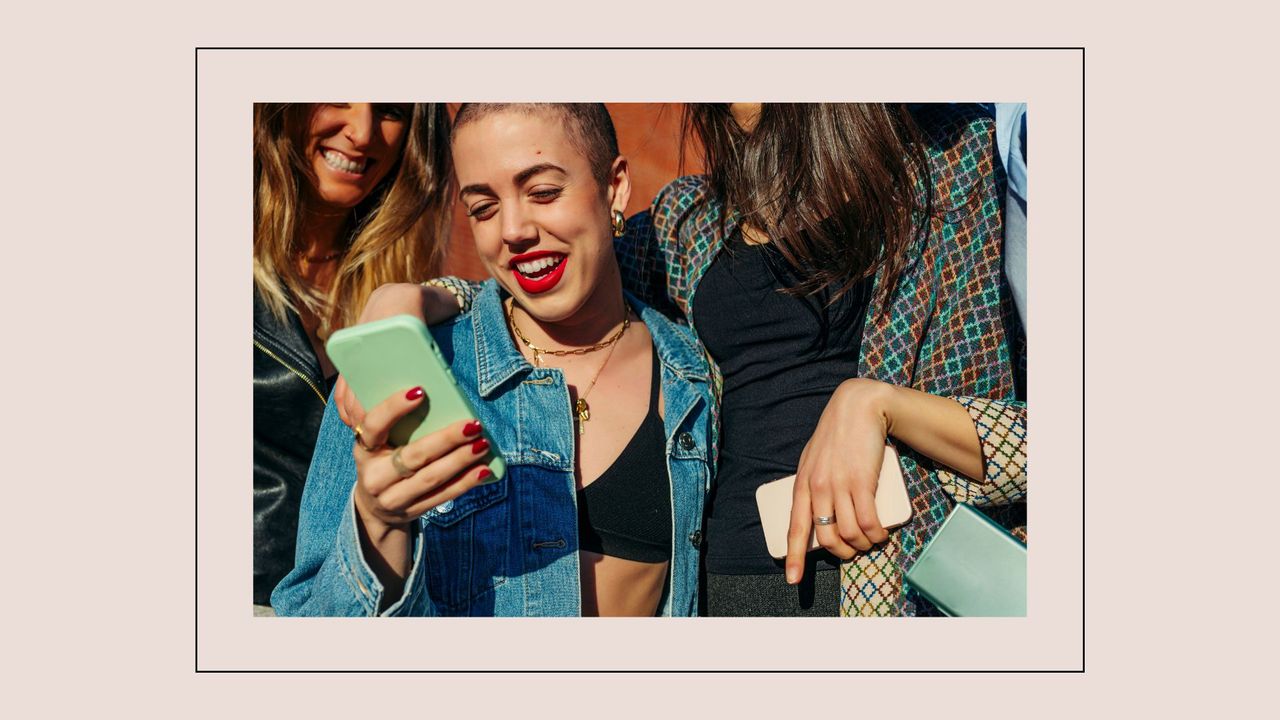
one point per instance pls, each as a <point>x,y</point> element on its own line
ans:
<point>1084,368</point>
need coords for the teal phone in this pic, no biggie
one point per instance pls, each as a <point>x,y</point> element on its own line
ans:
<point>972,568</point>
<point>390,356</point>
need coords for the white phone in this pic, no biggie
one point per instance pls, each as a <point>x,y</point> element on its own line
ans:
<point>893,505</point>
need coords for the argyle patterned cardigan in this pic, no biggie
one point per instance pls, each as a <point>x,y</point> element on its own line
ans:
<point>946,330</point>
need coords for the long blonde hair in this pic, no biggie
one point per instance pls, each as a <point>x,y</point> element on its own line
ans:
<point>398,234</point>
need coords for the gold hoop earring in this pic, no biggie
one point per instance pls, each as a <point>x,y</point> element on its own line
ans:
<point>619,224</point>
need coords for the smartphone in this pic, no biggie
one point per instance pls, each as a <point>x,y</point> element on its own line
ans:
<point>390,356</point>
<point>893,505</point>
<point>972,567</point>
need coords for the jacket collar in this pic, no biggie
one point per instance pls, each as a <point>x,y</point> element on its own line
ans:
<point>676,348</point>
<point>287,339</point>
<point>498,360</point>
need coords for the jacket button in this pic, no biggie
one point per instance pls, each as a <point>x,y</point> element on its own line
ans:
<point>686,441</point>
<point>695,538</point>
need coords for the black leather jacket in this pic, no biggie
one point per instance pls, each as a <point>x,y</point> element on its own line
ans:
<point>289,394</point>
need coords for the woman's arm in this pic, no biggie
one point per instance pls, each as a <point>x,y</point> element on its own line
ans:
<point>839,467</point>
<point>331,577</point>
<point>936,427</point>
<point>1001,428</point>
<point>396,486</point>
<point>359,548</point>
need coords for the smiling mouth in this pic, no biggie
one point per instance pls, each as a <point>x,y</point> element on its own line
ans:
<point>539,268</point>
<point>342,163</point>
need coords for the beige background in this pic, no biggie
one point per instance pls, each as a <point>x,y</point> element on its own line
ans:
<point>98,138</point>
<point>1050,638</point>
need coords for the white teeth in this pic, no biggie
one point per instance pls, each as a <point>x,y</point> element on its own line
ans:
<point>542,263</point>
<point>338,161</point>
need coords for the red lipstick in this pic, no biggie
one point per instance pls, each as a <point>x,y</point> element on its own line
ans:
<point>539,283</point>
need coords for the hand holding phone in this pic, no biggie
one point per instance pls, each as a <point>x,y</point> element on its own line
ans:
<point>388,357</point>
<point>396,486</point>
<point>893,504</point>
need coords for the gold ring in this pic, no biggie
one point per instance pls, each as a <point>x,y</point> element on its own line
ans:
<point>399,465</point>
<point>360,437</point>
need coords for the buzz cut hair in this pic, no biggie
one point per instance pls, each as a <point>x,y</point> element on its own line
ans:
<point>589,127</point>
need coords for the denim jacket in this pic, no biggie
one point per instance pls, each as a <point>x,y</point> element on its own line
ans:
<point>509,548</point>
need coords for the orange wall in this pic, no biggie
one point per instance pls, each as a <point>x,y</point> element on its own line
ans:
<point>648,134</point>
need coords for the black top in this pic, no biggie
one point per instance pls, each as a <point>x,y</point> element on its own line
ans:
<point>782,356</point>
<point>626,512</point>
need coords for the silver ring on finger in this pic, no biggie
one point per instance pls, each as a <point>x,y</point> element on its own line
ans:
<point>398,463</point>
<point>823,520</point>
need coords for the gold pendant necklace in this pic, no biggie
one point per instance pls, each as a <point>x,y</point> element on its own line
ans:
<point>581,408</point>
<point>584,410</point>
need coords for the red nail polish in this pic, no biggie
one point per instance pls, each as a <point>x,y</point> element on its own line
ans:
<point>479,446</point>
<point>471,429</point>
<point>414,394</point>
<point>484,473</point>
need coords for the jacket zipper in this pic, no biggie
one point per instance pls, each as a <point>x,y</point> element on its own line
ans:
<point>293,370</point>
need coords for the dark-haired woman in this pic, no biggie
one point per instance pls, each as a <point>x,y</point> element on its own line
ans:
<point>841,264</point>
<point>347,197</point>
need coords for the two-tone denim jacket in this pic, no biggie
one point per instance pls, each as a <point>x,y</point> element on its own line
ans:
<point>509,548</point>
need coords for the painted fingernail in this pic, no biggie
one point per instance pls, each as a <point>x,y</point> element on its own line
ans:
<point>414,394</point>
<point>479,446</point>
<point>471,429</point>
<point>484,473</point>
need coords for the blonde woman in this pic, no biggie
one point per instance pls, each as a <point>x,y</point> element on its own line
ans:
<point>347,196</point>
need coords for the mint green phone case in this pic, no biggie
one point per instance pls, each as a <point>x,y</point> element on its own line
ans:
<point>972,568</point>
<point>381,358</point>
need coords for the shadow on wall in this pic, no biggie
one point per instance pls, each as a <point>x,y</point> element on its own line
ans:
<point>648,135</point>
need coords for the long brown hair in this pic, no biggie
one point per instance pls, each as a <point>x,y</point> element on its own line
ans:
<point>397,234</point>
<point>841,190</point>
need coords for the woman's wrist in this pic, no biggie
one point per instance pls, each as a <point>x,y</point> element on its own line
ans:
<point>385,547</point>
<point>937,427</point>
<point>375,529</point>
<point>874,398</point>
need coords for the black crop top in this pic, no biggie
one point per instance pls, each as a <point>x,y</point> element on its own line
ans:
<point>626,512</point>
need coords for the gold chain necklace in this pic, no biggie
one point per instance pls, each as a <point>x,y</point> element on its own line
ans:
<point>539,352</point>
<point>581,407</point>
